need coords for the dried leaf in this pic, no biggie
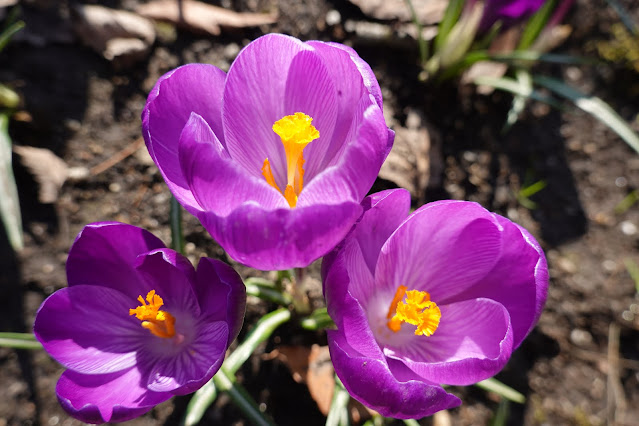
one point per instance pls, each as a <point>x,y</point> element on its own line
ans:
<point>49,171</point>
<point>116,34</point>
<point>428,11</point>
<point>201,17</point>
<point>408,164</point>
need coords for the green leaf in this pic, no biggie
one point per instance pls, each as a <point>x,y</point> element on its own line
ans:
<point>19,341</point>
<point>519,101</point>
<point>517,88</point>
<point>6,35</point>
<point>501,416</point>
<point>338,413</point>
<point>633,270</point>
<point>175,217</point>
<point>594,106</point>
<point>452,13</point>
<point>9,201</point>
<point>225,382</point>
<point>627,202</point>
<point>318,320</point>
<point>268,293</point>
<point>199,403</point>
<point>536,24</point>
<point>262,331</point>
<point>494,385</point>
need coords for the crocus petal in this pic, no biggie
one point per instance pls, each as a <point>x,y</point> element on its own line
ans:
<point>219,184</point>
<point>349,87</point>
<point>115,397</point>
<point>371,382</point>
<point>519,280</point>
<point>88,329</point>
<point>190,88</point>
<point>191,367</point>
<point>473,342</point>
<point>104,254</point>
<point>283,238</point>
<point>170,274</point>
<point>357,166</point>
<point>221,294</point>
<point>443,248</point>
<point>254,99</point>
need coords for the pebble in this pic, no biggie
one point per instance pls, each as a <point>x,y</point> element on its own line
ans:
<point>621,182</point>
<point>566,265</point>
<point>333,17</point>
<point>580,337</point>
<point>115,187</point>
<point>628,228</point>
<point>609,265</point>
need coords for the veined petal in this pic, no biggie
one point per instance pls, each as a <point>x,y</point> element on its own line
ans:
<point>219,184</point>
<point>254,99</point>
<point>221,294</point>
<point>115,397</point>
<point>473,342</point>
<point>104,254</point>
<point>282,238</point>
<point>170,274</point>
<point>191,367</point>
<point>357,166</point>
<point>519,280</point>
<point>371,382</point>
<point>88,329</point>
<point>443,248</point>
<point>191,88</point>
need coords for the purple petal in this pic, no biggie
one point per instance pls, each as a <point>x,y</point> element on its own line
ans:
<point>191,88</point>
<point>115,397</point>
<point>473,342</point>
<point>356,167</point>
<point>519,280</point>
<point>187,370</point>
<point>88,329</point>
<point>443,248</point>
<point>349,87</point>
<point>283,238</point>
<point>104,254</point>
<point>310,89</point>
<point>371,382</point>
<point>254,99</point>
<point>171,276</point>
<point>221,294</point>
<point>218,183</point>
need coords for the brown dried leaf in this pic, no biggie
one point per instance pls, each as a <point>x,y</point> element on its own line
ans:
<point>428,11</point>
<point>408,164</point>
<point>201,17</point>
<point>49,170</point>
<point>116,34</point>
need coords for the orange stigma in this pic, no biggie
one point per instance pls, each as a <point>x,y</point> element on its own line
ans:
<point>296,131</point>
<point>160,323</point>
<point>416,310</point>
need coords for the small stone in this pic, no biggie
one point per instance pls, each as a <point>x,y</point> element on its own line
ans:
<point>115,187</point>
<point>621,182</point>
<point>609,265</point>
<point>566,265</point>
<point>628,228</point>
<point>333,17</point>
<point>580,337</point>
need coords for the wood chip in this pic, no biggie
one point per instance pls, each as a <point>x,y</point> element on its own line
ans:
<point>428,11</point>
<point>201,17</point>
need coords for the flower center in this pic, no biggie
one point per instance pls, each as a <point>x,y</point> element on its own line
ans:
<point>160,323</point>
<point>417,309</point>
<point>296,131</point>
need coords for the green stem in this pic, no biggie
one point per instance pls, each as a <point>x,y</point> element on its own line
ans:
<point>199,403</point>
<point>177,238</point>
<point>262,331</point>
<point>241,398</point>
<point>494,385</point>
<point>19,341</point>
<point>266,293</point>
<point>338,413</point>
<point>423,45</point>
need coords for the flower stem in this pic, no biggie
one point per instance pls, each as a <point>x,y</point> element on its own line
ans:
<point>262,331</point>
<point>199,403</point>
<point>19,341</point>
<point>177,238</point>
<point>241,398</point>
<point>338,414</point>
<point>423,45</point>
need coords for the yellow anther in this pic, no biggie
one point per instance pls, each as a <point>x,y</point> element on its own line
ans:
<point>295,131</point>
<point>417,309</point>
<point>160,323</point>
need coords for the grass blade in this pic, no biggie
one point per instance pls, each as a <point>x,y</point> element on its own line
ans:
<point>9,201</point>
<point>494,385</point>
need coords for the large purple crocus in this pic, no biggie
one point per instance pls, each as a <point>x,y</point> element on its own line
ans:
<point>275,157</point>
<point>442,296</point>
<point>137,324</point>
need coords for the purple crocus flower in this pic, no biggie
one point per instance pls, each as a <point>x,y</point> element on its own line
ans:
<point>508,11</point>
<point>275,157</point>
<point>442,296</point>
<point>137,324</point>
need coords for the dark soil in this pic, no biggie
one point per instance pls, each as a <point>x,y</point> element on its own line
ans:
<point>85,110</point>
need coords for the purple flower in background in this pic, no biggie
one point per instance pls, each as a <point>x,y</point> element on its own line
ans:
<point>508,11</point>
<point>275,157</point>
<point>442,296</point>
<point>137,324</point>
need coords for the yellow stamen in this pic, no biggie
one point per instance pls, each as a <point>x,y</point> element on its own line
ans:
<point>160,323</point>
<point>295,131</point>
<point>417,310</point>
